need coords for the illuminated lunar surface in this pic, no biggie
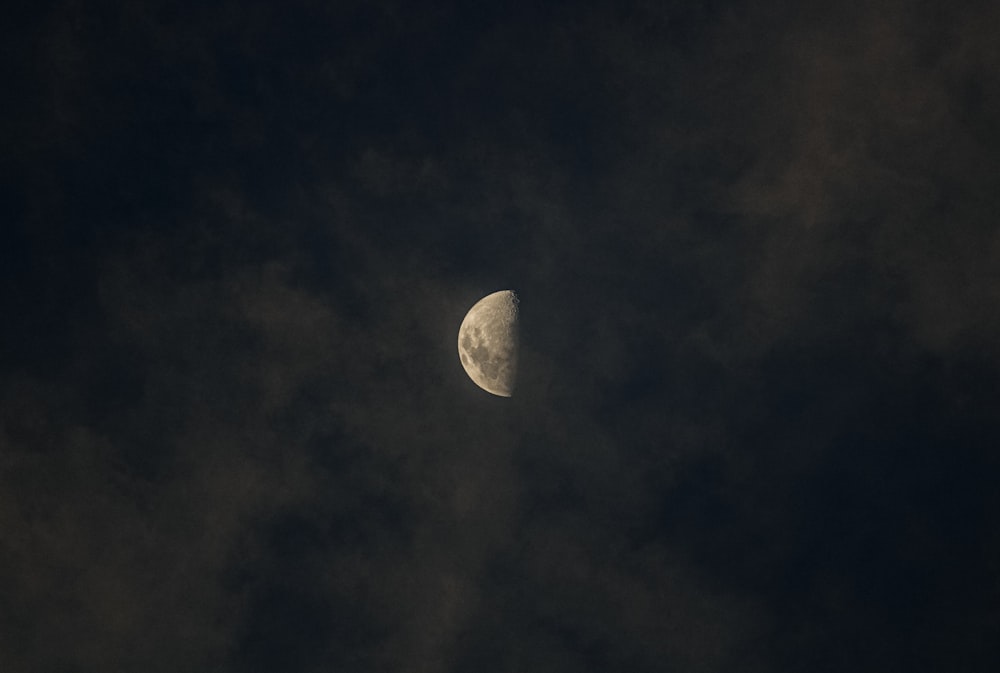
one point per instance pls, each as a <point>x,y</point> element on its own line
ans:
<point>488,342</point>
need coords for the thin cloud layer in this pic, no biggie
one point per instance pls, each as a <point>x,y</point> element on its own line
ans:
<point>754,425</point>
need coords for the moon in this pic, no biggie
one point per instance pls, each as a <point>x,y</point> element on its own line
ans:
<point>488,342</point>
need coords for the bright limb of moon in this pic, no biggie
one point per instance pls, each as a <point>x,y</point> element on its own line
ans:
<point>488,342</point>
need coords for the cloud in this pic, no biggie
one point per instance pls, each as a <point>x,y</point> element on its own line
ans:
<point>869,149</point>
<point>755,256</point>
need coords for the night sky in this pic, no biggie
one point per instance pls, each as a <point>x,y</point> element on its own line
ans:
<point>757,420</point>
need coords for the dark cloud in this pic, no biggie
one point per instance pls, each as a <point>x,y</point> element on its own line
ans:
<point>754,428</point>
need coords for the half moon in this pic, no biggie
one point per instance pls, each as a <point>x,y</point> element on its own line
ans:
<point>488,343</point>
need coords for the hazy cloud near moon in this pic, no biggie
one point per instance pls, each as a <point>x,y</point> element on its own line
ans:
<point>875,142</point>
<point>758,245</point>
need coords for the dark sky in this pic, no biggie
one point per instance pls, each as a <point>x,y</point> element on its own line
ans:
<point>757,422</point>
